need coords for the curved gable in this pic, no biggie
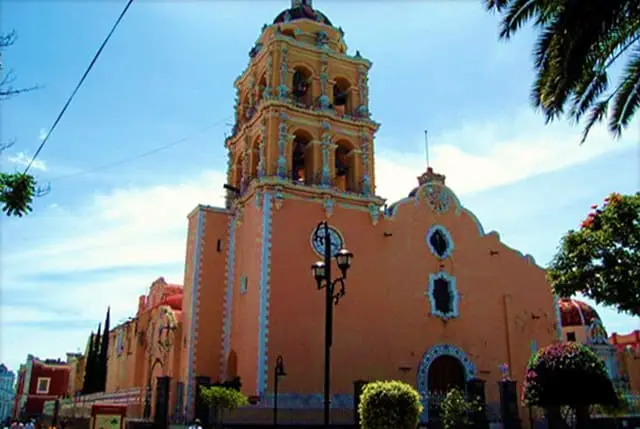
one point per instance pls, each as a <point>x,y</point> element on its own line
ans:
<point>437,199</point>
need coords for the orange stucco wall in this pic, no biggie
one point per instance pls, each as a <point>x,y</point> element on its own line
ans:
<point>383,323</point>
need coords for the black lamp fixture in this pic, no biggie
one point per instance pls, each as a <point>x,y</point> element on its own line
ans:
<point>334,291</point>
<point>279,372</point>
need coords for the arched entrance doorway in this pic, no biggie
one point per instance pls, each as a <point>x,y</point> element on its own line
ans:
<point>442,367</point>
<point>445,373</point>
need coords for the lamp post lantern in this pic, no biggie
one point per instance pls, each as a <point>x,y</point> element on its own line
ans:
<point>279,372</point>
<point>334,291</point>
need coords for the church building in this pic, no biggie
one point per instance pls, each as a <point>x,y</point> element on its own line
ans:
<point>431,297</point>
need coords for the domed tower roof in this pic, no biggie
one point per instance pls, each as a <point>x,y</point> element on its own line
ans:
<point>301,9</point>
<point>576,313</point>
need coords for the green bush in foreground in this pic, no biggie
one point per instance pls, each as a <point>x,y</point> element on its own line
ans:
<point>389,405</point>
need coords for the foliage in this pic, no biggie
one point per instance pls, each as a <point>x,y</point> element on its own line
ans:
<point>601,260</point>
<point>578,42</point>
<point>235,383</point>
<point>456,410</point>
<point>17,190</point>
<point>389,405</point>
<point>621,408</point>
<point>223,399</point>
<point>567,374</point>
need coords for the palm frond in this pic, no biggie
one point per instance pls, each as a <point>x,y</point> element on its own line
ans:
<point>518,13</point>
<point>627,98</point>
<point>597,114</point>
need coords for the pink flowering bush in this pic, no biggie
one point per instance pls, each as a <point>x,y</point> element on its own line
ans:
<point>567,374</point>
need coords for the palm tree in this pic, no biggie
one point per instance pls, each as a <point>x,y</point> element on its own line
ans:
<point>578,42</point>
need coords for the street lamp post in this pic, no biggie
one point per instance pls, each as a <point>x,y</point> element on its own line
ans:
<point>322,274</point>
<point>279,372</point>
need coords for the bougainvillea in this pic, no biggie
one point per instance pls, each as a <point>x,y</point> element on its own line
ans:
<point>567,374</point>
<point>601,260</point>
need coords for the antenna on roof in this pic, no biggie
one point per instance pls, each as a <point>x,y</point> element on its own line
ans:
<point>426,146</point>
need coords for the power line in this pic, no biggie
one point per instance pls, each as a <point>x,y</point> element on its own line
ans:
<point>73,94</point>
<point>140,155</point>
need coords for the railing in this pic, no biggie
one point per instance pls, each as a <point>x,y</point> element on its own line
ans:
<point>80,407</point>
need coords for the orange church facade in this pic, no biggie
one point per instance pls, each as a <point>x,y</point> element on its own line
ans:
<point>429,292</point>
<point>432,298</point>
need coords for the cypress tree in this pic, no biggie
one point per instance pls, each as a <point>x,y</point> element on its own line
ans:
<point>104,353</point>
<point>88,366</point>
<point>95,365</point>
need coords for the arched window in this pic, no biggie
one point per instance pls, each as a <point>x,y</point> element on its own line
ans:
<point>237,171</point>
<point>341,96</point>
<point>301,88</point>
<point>261,87</point>
<point>301,159</point>
<point>255,158</point>
<point>344,167</point>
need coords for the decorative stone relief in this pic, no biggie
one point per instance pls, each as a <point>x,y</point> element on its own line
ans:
<point>443,296</point>
<point>366,180</point>
<point>438,197</point>
<point>322,38</point>
<point>374,212</point>
<point>325,180</point>
<point>329,204</point>
<point>278,198</point>
<point>363,109</point>
<point>266,94</point>
<point>261,144</point>
<point>282,146</point>
<point>283,89</point>
<point>259,198</point>
<point>324,79</point>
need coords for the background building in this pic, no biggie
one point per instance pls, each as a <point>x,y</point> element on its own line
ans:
<point>7,392</point>
<point>39,381</point>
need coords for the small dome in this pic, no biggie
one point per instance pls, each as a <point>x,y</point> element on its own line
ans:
<point>301,10</point>
<point>576,313</point>
<point>173,301</point>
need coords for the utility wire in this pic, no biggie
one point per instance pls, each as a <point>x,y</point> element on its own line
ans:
<point>140,155</point>
<point>73,94</point>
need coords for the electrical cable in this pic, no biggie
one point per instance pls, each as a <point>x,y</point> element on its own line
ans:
<point>73,94</point>
<point>138,156</point>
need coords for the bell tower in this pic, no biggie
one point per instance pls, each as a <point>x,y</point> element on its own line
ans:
<point>302,112</point>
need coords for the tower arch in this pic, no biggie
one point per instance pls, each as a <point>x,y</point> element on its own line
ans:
<point>302,85</point>
<point>345,166</point>
<point>342,96</point>
<point>302,168</point>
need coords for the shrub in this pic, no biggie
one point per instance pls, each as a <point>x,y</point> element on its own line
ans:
<point>456,409</point>
<point>389,405</point>
<point>222,399</point>
<point>567,374</point>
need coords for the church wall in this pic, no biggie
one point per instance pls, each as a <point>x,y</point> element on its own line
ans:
<point>123,350</point>
<point>192,266</point>
<point>209,307</point>
<point>383,324</point>
<point>244,323</point>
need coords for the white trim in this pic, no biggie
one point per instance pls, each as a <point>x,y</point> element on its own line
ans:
<point>43,391</point>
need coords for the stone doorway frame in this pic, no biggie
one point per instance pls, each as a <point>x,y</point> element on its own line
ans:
<point>428,357</point>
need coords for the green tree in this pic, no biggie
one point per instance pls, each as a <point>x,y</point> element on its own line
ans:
<point>601,259</point>
<point>578,43</point>
<point>456,410</point>
<point>568,374</point>
<point>389,405</point>
<point>222,399</point>
<point>17,190</point>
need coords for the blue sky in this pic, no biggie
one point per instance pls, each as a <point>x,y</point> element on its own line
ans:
<point>101,237</point>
